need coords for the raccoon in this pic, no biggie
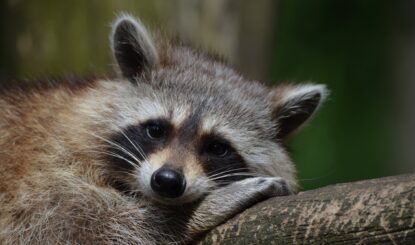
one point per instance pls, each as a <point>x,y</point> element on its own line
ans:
<point>172,147</point>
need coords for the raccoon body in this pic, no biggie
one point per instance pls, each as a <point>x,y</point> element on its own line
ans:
<point>174,146</point>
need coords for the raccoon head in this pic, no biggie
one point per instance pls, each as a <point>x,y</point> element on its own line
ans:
<point>188,123</point>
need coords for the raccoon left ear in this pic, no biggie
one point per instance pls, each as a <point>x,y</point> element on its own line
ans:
<point>295,105</point>
<point>132,47</point>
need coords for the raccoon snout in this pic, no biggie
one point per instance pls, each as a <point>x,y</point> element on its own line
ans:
<point>168,182</point>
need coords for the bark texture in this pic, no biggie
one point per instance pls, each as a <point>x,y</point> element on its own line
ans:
<point>379,211</point>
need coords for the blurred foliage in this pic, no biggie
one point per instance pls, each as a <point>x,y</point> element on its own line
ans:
<point>44,38</point>
<point>345,44</point>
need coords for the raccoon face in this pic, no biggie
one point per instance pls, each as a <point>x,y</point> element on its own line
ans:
<point>188,124</point>
<point>175,161</point>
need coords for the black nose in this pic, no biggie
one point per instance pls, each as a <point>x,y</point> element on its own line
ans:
<point>168,182</point>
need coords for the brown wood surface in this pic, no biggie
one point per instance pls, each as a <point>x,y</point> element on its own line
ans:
<point>379,211</point>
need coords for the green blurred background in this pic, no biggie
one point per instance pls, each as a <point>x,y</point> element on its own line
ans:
<point>363,50</point>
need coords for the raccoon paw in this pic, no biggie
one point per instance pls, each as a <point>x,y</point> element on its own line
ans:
<point>272,186</point>
<point>275,186</point>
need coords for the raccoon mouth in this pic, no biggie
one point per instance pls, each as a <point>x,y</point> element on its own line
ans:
<point>192,192</point>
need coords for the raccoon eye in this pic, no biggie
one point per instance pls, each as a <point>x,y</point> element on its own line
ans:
<point>218,149</point>
<point>155,131</point>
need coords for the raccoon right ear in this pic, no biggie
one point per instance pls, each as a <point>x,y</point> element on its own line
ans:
<point>294,105</point>
<point>132,47</point>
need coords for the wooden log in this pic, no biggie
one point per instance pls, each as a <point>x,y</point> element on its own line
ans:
<point>379,211</point>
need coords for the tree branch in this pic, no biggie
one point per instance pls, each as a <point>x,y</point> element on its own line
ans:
<point>380,211</point>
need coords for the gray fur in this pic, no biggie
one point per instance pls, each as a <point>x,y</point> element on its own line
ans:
<point>55,186</point>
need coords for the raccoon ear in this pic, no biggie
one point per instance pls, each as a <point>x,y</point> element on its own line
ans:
<point>295,105</point>
<point>132,47</point>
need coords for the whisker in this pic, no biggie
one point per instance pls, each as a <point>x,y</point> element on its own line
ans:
<point>136,147</point>
<point>136,165</point>
<point>218,170</point>
<point>330,172</point>
<point>119,147</point>
<point>228,171</point>
<point>125,172</point>
<point>231,175</point>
